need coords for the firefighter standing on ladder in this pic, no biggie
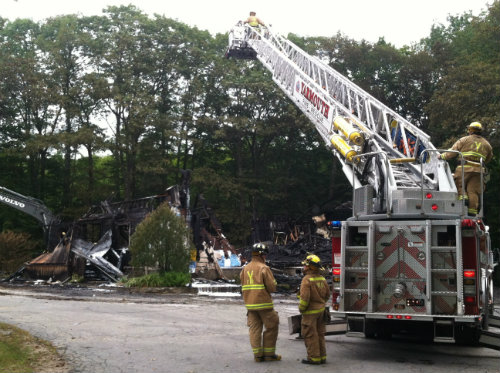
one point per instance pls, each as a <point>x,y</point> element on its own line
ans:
<point>253,20</point>
<point>314,292</point>
<point>257,284</point>
<point>473,147</point>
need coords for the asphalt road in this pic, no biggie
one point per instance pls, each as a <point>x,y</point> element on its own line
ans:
<point>104,330</point>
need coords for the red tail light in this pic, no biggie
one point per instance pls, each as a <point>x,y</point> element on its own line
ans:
<point>470,300</point>
<point>470,273</point>
<point>399,317</point>
<point>336,271</point>
<point>428,195</point>
<point>467,223</point>
<point>434,207</point>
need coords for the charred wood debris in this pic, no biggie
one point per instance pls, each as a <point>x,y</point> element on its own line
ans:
<point>95,247</point>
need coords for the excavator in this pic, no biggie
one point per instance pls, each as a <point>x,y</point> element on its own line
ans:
<point>410,257</point>
<point>31,206</point>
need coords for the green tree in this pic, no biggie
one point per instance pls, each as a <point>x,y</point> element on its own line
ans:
<point>469,90</point>
<point>28,118</point>
<point>61,55</point>
<point>467,54</point>
<point>162,240</point>
<point>15,249</point>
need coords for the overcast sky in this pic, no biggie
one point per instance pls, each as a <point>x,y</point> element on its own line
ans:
<point>400,22</point>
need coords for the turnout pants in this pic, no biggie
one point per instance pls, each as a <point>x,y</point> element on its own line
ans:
<point>263,343</point>
<point>472,181</point>
<point>313,332</point>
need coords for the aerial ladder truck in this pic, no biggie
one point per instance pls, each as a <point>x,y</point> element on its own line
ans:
<point>410,256</point>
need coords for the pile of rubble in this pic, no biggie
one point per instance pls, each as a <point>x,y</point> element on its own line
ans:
<point>286,260</point>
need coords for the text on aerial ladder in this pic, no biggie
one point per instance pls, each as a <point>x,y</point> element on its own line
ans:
<point>314,99</point>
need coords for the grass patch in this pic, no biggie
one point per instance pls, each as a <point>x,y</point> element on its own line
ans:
<point>165,279</point>
<point>20,352</point>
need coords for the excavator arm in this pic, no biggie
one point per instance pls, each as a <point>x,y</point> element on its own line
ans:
<point>28,205</point>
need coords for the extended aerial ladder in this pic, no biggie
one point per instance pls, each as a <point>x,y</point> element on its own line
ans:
<point>409,257</point>
<point>389,161</point>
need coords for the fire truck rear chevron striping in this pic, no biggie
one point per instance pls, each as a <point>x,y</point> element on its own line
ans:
<point>409,257</point>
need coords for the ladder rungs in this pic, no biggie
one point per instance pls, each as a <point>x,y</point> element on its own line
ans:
<point>443,293</point>
<point>357,248</point>
<point>443,270</point>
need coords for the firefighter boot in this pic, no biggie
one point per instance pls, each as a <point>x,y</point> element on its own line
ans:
<point>311,362</point>
<point>272,358</point>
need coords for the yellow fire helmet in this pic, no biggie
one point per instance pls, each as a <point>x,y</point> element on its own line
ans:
<point>475,126</point>
<point>312,260</point>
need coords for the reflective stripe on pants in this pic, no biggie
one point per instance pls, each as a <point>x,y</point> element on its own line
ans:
<point>263,343</point>
<point>313,332</point>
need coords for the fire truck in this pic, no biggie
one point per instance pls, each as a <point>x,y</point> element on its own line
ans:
<point>409,257</point>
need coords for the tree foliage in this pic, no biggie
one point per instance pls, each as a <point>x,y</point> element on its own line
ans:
<point>162,240</point>
<point>15,249</point>
<point>117,104</point>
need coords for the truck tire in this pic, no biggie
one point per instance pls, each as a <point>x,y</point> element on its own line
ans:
<point>467,335</point>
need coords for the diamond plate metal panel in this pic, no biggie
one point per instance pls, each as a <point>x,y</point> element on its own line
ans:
<point>400,260</point>
<point>444,282</point>
<point>444,260</point>
<point>400,254</point>
<point>356,258</point>
<point>388,302</point>
<point>357,302</point>
<point>444,304</point>
<point>356,280</point>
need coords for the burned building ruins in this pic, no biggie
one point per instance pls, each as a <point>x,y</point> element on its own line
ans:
<point>95,246</point>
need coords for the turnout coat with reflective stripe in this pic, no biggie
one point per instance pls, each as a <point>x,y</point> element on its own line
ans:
<point>257,284</point>
<point>314,292</point>
<point>474,148</point>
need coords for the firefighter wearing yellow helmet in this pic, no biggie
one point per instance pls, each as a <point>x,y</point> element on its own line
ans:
<point>257,284</point>
<point>314,293</point>
<point>474,148</point>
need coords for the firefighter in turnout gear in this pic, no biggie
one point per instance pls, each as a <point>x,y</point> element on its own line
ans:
<point>257,284</point>
<point>474,148</point>
<point>314,292</point>
<point>253,20</point>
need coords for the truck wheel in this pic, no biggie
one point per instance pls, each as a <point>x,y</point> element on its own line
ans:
<point>370,329</point>
<point>384,334</point>
<point>467,335</point>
